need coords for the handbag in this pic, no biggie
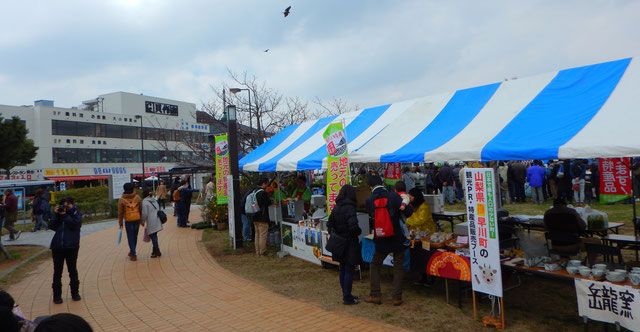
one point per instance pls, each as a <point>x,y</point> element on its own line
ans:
<point>161,215</point>
<point>146,237</point>
<point>336,245</point>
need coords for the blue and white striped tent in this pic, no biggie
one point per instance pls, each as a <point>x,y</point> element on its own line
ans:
<point>584,112</point>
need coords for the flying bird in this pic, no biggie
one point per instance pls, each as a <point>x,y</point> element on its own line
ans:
<point>287,11</point>
<point>267,50</point>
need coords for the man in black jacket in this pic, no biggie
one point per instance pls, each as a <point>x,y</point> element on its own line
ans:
<point>385,245</point>
<point>261,219</point>
<point>64,247</point>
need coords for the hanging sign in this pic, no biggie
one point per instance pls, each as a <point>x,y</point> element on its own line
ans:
<point>222,169</point>
<point>337,162</point>
<point>484,245</point>
<point>607,302</point>
<point>615,179</point>
<point>392,174</point>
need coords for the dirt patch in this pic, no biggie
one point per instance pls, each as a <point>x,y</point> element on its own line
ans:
<point>18,255</point>
<point>536,305</point>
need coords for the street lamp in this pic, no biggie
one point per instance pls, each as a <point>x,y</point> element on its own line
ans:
<point>139,117</point>
<point>236,90</point>
<point>234,170</point>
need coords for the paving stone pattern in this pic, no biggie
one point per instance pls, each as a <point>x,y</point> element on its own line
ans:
<point>184,290</point>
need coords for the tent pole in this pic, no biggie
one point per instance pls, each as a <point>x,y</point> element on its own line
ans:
<point>633,196</point>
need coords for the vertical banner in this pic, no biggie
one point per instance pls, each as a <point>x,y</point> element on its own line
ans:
<point>222,169</point>
<point>392,174</point>
<point>232,217</point>
<point>615,179</point>
<point>607,302</point>
<point>337,162</point>
<point>484,244</point>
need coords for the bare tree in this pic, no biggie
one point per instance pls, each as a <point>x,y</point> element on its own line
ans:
<point>334,106</point>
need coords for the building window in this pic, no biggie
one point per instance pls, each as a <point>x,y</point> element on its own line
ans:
<point>61,127</point>
<point>93,116</point>
<point>93,142</point>
<point>66,113</point>
<point>86,129</point>
<point>74,114</point>
<point>81,141</point>
<point>81,115</point>
<point>68,141</point>
<point>74,141</point>
<point>99,142</point>
<point>104,117</point>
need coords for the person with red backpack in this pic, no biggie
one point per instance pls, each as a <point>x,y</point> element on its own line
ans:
<point>129,214</point>
<point>384,214</point>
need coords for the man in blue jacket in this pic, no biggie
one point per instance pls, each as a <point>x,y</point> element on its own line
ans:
<point>389,244</point>
<point>64,247</point>
<point>535,176</point>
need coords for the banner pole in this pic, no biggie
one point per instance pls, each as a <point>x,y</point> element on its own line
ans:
<point>475,316</point>
<point>502,311</point>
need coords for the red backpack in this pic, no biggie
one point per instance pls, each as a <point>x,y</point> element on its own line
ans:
<point>383,224</point>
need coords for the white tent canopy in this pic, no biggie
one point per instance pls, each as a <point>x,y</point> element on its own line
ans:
<point>584,112</point>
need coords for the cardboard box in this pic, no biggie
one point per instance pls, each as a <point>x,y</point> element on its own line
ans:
<point>436,203</point>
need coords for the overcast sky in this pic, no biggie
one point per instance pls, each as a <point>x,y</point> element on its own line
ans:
<point>368,53</point>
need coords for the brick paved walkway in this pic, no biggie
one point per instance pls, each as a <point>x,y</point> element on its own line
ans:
<point>185,289</point>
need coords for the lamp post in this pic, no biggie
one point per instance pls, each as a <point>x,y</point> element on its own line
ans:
<point>139,117</point>
<point>235,171</point>
<point>236,90</point>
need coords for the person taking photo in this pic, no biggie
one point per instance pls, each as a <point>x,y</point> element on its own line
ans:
<point>65,244</point>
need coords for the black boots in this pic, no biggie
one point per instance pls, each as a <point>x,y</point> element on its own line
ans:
<point>156,253</point>
<point>75,290</point>
<point>57,293</point>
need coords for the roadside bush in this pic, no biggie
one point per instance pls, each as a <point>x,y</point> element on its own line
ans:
<point>92,201</point>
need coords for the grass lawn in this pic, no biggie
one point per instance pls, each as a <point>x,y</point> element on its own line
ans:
<point>537,305</point>
<point>18,255</point>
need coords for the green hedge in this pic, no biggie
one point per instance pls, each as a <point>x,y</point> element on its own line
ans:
<point>92,201</point>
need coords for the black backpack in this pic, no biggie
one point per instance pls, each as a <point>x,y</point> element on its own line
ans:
<point>161,215</point>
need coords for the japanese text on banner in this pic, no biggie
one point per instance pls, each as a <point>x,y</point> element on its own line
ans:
<point>337,162</point>
<point>483,235</point>
<point>607,302</point>
<point>615,179</point>
<point>222,169</point>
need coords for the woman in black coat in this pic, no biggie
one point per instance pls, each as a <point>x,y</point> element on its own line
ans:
<point>344,222</point>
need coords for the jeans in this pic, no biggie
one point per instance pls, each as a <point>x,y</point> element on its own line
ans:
<point>578,195</point>
<point>346,281</point>
<point>161,203</point>
<point>398,273</point>
<point>537,195</point>
<point>70,255</point>
<point>47,214</point>
<point>246,227</point>
<point>39,222</point>
<point>132,228</point>
<point>262,231</point>
<point>447,191</point>
<point>154,240</point>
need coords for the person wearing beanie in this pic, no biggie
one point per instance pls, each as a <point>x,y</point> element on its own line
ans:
<point>129,215</point>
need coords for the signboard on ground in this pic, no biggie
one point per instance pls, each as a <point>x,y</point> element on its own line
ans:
<point>484,245</point>
<point>607,302</point>
<point>302,242</point>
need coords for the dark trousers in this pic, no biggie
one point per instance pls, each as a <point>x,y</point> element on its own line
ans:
<point>70,255</point>
<point>132,228</point>
<point>161,203</point>
<point>520,195</point>
<point>398,273</point>
<point>346,281</point>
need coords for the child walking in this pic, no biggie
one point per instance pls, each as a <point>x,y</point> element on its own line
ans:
<point>401,189</point>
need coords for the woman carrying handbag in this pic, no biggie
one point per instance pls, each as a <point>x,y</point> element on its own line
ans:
<point>343,240</point>
<point>151,221</point>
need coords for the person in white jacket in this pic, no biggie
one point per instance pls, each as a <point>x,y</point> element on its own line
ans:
<point>151,221</point>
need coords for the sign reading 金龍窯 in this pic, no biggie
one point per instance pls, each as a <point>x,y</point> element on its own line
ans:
<point>222,169</point>
<point>615,179</point>
<point>484,245</point>
<point>392,173</point>
<point>608,302</point>
<point>337,162</point>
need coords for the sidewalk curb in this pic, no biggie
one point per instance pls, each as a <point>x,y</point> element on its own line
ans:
<point>12,269</point>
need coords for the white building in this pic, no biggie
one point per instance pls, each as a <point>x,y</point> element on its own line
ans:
<point>103,136</point>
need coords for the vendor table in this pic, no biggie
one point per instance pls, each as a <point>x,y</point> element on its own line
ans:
<point>623,242</point>
<point>450,217</point>
<point>536,223</point>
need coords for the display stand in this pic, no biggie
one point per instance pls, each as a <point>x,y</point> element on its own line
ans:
<point>490,321</point>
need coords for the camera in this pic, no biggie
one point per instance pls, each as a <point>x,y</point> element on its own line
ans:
<point>60,208</point>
